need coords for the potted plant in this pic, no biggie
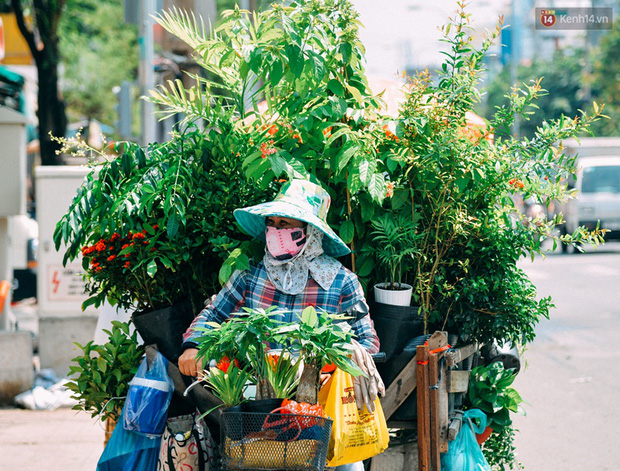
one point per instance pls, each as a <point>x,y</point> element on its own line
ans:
<point>99,377</point>
<point>314,340</point>
<point>394,237</point>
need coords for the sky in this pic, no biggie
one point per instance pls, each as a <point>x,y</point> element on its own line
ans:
<point>404,33</point>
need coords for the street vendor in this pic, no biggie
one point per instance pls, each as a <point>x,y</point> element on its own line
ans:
<point>298,270</point>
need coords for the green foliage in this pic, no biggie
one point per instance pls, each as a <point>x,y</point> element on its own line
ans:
<point>499,450</point>
<point>320,338</point>
<point>459,184</point>
<point>604,81</point>
<point>249,336</point>
<point>562,77</point>
<point>228,385</point>
<point>394,238</point>
<point>99,51</point>
<point>179,197</point>
<point>99,378</point>
<point>319,120</point>
<point>490,391</point>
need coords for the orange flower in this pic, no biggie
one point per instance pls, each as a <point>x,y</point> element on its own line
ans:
<point>327,131</point>
<point>390,190</point>
<point>266,148</point>
<point>98,269</point>
<point>518,184</point>
<point>138,235</point>
<point>115,237</point>
<point>272,359</point>
<point>298,137</point>
<point>273,129</point>
<point>124,246</point>
<point>100,246</point>
<point>111,258</point>
<point>127,264</point>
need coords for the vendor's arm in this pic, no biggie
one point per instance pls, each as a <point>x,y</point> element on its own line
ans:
<point>352,300</point>
<point>230,299</point>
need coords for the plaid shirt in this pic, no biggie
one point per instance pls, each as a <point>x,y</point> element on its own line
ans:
<point>252,289</point>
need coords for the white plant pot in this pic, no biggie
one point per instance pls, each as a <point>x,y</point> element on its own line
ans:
<point>395,297</point>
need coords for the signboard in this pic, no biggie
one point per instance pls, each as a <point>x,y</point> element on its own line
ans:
<point>65,283</point>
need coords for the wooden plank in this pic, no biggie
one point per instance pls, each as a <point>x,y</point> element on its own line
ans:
<point>400,389</point>
<point>424,452</point>
<point>458,381</point>
<point>457,355</point>
<point>433,379</point>
<point>444,411</point>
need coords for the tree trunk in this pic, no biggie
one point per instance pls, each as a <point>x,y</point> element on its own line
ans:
<point>308,387</point>
<point>51,111</point>
<point>42,39</point>
<point>264,390</point>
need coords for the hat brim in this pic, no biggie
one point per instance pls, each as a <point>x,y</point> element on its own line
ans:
<point>252,220</point>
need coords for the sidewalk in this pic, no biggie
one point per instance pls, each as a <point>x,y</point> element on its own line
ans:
<point>60,440</point>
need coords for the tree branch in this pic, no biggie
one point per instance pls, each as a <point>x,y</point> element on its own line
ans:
<point>26,32</point>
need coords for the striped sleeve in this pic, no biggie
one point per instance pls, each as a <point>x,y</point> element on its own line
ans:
<point>230,299</point>
<point>352,299</point>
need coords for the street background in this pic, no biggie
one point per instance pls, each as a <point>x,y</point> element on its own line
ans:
<point>570,381</point>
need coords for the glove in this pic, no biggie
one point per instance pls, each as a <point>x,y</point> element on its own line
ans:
<point>367,387</point>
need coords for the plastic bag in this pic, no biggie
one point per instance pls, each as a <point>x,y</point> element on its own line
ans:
<point>150,391</point>
<point>129,451</point>
<point>464,453</point>
<point>356,434</point>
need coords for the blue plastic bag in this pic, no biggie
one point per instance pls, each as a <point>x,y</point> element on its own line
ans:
<point>464,453</point>
<point>129,451</point>
<point>150,391</point>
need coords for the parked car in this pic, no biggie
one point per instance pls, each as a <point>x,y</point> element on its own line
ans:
<point>598,183</point>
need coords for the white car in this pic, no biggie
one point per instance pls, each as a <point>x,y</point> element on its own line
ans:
<point>598,183</point>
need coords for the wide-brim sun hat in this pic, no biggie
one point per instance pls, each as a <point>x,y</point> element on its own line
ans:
<point>297,199</point>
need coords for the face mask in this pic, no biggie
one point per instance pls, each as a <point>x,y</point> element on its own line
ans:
<point>284,244</point>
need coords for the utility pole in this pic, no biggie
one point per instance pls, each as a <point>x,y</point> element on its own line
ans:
<point>146,74</point>
<point>515,55</point>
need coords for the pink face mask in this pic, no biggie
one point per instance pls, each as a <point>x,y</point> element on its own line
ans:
<point>285,243</point>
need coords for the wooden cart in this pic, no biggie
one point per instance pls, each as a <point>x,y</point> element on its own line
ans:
<point>437,373</point>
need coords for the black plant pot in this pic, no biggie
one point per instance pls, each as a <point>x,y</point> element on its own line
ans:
<point>395,326</point>
<point>262,406</point>
<point>165,328</point>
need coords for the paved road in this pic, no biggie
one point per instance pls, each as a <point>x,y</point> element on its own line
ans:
<point>60,440</point>
<point>572,381</point>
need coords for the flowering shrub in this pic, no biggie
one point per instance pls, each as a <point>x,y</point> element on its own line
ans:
<point>154,225</point>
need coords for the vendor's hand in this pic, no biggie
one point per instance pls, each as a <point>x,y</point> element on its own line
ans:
<point>366,388</point>
<point>189,365</point>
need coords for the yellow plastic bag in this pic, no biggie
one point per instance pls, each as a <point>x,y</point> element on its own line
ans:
<point>356,435</point>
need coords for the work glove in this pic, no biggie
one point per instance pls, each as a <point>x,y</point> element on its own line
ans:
<point>367,387</point>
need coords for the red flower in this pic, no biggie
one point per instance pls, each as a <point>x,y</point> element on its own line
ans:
<point>124,246</point>
<point>115,237</point>
<point>273,129</point>
<point>224,364</point>
<point>98,269</point>
<point>100,246</point>
<point>138,235</point>
<point>390,190</point>
<point>156,226</point>
<point>111,258</point>
<point>127,264</point>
